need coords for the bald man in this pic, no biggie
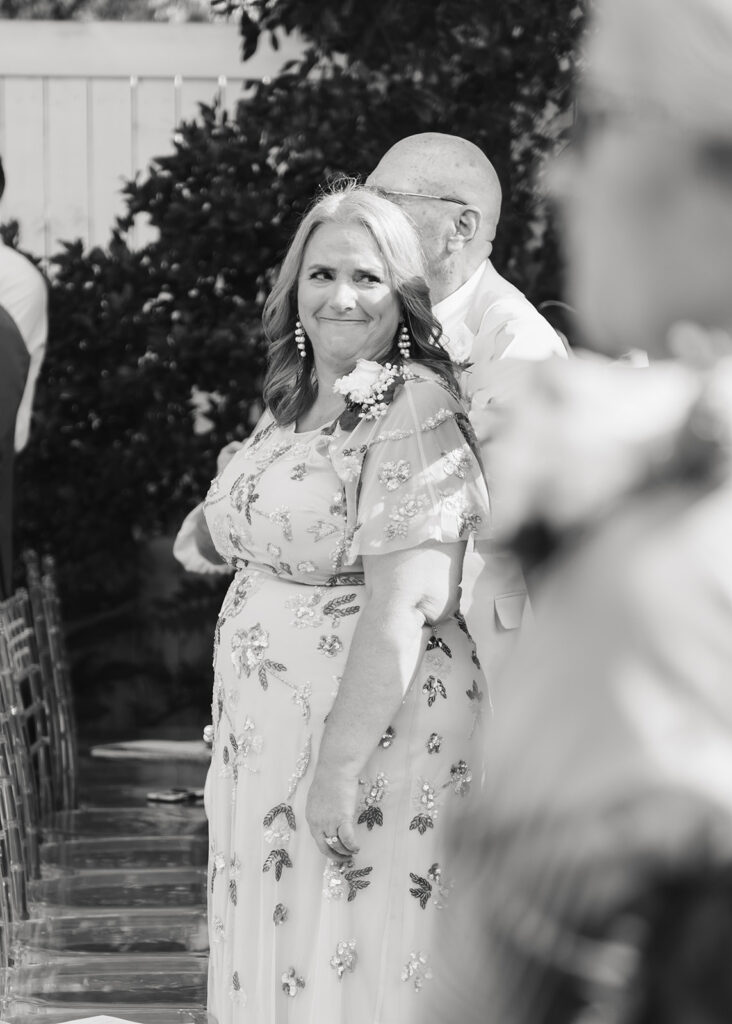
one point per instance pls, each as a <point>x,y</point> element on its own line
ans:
<point>451,192</point>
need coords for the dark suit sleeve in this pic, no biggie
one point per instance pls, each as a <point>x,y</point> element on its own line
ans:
<point>14,362</point>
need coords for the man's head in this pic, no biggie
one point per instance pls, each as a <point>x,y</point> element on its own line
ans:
<point>449,189</point>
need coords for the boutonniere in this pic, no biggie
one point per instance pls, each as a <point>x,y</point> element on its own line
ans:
<point>368,391</point>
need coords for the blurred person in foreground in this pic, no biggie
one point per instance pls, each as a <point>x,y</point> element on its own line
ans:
<point>593,875</point>
<point>23,330</point>
<point>346,690</point>
<point>450,190</point>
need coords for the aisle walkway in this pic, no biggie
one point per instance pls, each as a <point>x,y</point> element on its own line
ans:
<point>118,919</point>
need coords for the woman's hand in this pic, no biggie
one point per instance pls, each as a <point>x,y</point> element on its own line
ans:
<point>330,812</point>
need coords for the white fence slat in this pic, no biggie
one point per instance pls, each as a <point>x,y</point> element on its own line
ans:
<point>111,116</point>
<point>194,91</point>
<point>155,119</point>
<point>86,105</point>
<point>154,124</point>
<point>67,186</point>
<point>23,159</point>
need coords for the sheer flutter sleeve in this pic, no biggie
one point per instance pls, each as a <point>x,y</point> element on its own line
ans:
<point>193,546</point>
<point>412,475</point>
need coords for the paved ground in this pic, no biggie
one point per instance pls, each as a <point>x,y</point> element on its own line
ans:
<point>117,919</point>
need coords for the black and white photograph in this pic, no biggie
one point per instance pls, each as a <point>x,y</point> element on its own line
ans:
<point>365,512</point>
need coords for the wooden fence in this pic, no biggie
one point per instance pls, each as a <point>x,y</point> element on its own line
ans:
<point>86,105</point>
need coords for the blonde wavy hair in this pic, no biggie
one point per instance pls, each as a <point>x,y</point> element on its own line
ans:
<point>290,385</point>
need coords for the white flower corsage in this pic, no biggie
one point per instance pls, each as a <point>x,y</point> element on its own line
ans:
<point>369,388</point>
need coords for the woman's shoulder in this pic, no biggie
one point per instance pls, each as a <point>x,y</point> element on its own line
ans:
<point>265,428</point>
<point>425,390</point>
<point>424,402</point>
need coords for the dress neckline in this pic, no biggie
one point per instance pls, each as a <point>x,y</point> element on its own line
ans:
<point>315,430</point>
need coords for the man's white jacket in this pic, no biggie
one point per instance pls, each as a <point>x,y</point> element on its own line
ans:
<point>500,331</point>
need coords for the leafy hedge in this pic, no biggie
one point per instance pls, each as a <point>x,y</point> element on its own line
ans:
<point>118,454</point>
<point>115,455</point>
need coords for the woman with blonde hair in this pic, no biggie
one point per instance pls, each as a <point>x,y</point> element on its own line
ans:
<point>347,690</point>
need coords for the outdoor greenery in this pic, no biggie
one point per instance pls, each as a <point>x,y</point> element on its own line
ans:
<point>108,10</point>
<point>155,356</point>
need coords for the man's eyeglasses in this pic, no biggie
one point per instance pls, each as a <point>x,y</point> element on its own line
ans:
<point>388,193</point>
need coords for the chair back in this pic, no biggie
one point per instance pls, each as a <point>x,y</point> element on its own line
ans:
<point>53,660</point>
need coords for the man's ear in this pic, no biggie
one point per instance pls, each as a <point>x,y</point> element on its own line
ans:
<point>465,228</point>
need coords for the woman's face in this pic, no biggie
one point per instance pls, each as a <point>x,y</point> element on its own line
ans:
<point>346,303</point>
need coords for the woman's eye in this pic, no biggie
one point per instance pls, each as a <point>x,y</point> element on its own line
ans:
<point>371,278</point>
<point>320,275</point>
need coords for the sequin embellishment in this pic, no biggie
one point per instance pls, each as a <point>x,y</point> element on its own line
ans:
<point>393,474</point>
<point>345,958</point>
<point>456,463</point>
<point>460,777</point>
<point>434,743</point>
<point>388,738</point>
<point>301,766</point>
<point>417,970</point>
<point>427,802</point>
<point>292,982</point>
<point>236,994</point>
<point>374,793</point>
<point>330,645</point>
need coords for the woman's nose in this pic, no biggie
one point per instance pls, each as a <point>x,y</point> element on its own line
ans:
<point>343,296</point>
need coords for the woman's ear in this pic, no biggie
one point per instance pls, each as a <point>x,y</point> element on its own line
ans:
<point>465,228</point>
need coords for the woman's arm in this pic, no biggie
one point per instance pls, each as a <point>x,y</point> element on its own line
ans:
<point>194,548</point>
<point>202,537</point>
<point>404,590</point>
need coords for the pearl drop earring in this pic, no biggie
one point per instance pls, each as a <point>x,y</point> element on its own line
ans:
<point>405,342</point>
<point>300,339</point>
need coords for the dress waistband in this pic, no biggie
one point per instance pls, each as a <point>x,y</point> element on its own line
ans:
<point>343,579</point>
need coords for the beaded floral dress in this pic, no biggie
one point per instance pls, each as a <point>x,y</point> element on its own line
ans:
<point>296,938</point>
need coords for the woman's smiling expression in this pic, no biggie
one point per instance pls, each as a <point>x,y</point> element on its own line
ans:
<point>347,304</point>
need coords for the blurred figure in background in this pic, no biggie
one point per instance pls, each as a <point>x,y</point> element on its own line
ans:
<point>14,361</point>
<point>607,818</point>
<point>23,331</point>
<point>451,192</point>
<point>24,295</point>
